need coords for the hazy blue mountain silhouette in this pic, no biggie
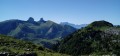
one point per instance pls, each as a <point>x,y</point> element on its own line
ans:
<point>74,25</point>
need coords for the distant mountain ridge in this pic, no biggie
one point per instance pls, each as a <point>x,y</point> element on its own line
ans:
<point>74,25</point>
<point>34,30</point>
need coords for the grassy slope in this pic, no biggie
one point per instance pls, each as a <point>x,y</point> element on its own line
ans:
<point>14,46</point>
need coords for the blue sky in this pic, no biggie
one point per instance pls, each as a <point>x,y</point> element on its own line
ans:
<point>73,11</point>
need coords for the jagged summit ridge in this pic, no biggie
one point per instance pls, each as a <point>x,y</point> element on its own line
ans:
<point>31,20</point>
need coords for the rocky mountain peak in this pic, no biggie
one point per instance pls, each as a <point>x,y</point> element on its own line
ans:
<point>31,20</point>
<point>41,20</point>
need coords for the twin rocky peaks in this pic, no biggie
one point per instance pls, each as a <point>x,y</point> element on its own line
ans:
<point>31,20</point>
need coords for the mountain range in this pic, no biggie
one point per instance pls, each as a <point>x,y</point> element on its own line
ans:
<point>32,37</point>
<point>39,32</point>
